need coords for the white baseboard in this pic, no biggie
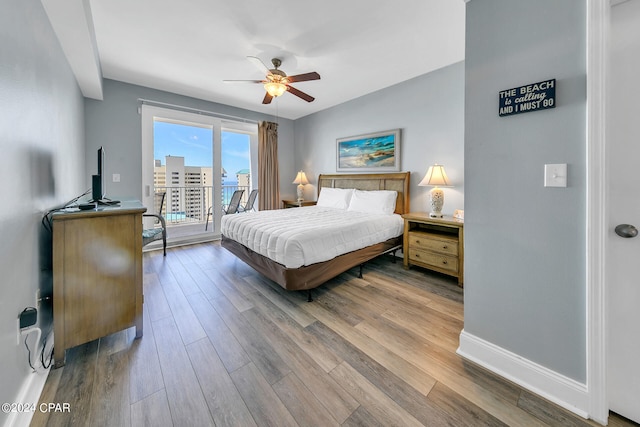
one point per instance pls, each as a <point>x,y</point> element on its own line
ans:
<point>559,389</point>
<point>30,391</point>
<point>29,394</point>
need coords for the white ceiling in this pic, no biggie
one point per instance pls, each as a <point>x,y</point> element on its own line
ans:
<point>189,47</point>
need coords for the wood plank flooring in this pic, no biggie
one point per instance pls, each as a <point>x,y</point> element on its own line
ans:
<point>224,346</point>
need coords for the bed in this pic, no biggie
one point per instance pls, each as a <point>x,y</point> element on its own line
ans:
<point>298,274</point>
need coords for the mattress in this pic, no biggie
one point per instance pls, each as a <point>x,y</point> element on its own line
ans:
<point>303,236</point>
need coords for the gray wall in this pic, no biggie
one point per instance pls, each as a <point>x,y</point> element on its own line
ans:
<point>42,146</point>
<point>115,124</point>
<point>430,111</point>
<point>525,245</point>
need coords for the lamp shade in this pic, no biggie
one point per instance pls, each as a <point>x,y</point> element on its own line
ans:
<point>275,89</point>
<point>301,178</point>
<point>435,176</point>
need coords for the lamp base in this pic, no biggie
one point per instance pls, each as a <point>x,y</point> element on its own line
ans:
<point>436,201</point>
<point>300,192</point>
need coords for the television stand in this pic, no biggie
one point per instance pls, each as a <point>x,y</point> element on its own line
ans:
<point>91,297</point>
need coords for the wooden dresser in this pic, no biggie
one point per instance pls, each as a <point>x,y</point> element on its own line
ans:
<point>434,243</point>
<point>97,274</point>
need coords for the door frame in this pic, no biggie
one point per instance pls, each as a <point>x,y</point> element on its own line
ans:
<point>148,113</point>
<point>219,124</point>
<point>598,12</point>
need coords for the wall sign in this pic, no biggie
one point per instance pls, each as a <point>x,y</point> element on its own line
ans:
<point>531,97</point>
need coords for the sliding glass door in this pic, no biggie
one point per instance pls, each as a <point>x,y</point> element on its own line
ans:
<point>236,165</point>
<point>197,160</point>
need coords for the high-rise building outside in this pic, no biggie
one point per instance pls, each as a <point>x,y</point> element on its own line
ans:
<point>188,188</point>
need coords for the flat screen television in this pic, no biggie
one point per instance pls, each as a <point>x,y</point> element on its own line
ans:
<point>97,184</point>
<point>98,191</point>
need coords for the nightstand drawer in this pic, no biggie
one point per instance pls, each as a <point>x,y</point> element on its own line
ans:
<point>440,261</point>
<point>433,242</point>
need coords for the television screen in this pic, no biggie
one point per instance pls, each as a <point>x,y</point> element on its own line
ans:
<point>97,181</point>
<point>101,161</point>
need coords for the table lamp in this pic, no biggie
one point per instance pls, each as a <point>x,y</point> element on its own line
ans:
<point>301,180</point>
<point>435,176</point>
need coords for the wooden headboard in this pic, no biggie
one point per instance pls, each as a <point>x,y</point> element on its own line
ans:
<point>398,181</point>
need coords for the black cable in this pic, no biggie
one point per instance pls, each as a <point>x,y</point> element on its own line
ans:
<point>46,219</point>
<point>29,351</point>
<point>72,201</point>
<point>44,346</point>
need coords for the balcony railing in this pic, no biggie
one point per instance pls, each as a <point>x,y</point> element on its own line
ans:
<point>190,204</point>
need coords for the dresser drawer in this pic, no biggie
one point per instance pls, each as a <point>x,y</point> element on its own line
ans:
<point>427,258</point>
<point>433,242</point>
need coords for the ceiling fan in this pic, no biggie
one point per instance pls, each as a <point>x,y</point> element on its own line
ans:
<point>276,82</point>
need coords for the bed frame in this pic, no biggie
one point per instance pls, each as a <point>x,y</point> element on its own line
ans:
<point>310,276</point>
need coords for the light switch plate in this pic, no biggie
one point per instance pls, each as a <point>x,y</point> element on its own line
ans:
<point>116,177</point>
<point>555,175</point>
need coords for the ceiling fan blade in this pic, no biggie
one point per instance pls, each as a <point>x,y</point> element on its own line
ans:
<point>258,63</point>
<point>267,98</point>
<point>300,94</point>
<point>243,81</point>
<point>304,77</point>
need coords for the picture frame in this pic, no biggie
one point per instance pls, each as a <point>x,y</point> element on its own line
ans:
<point>371,152</point>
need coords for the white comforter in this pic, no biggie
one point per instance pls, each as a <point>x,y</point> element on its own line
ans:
<point>307,235</point>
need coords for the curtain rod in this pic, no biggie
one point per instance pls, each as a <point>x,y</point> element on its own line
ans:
<point>194,110</point>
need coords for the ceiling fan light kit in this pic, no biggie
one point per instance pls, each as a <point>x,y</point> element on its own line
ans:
<point>275,89</point>
<point>276,82</point>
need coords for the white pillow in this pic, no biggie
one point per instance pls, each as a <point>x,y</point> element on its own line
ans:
<point>377,201</point>
<point>334,197</point>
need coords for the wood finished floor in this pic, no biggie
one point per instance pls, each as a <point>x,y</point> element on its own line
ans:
<point>224,346</point>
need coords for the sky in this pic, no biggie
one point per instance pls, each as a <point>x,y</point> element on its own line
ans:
<point>194,144</point>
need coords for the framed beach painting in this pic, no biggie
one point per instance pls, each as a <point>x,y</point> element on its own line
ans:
<point>372,152</point>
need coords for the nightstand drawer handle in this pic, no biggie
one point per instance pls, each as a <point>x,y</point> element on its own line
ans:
<point>444,262</point>
<point>444,246</point>
<point>417,241</point>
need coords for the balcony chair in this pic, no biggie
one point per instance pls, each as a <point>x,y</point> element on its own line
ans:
<point>152,234</point>
<point>250,202</point>
<point>231,208</point>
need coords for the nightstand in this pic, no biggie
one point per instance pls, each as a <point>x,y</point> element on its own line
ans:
<point>434,243</point>
<point>295,204</point>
